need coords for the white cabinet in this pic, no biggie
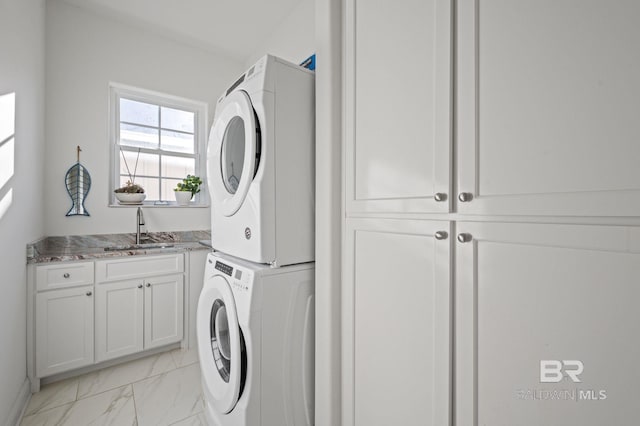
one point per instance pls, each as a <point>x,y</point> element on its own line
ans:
<point>398,105</point>
<point>545,102</point>
<point>141,313</point>
<point>64,329</point>
<point>528,293</point>
<point>120,306</point>
<point>119,319</point>
<point>163,310</point>
<point>546,107</point>
<point>396,318</point>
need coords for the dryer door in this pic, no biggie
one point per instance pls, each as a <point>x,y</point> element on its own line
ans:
<point>232,156</point>
<point>219,345</point>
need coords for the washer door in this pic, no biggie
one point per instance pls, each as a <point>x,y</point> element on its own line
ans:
<point>233,145</point>
<point>220,345</point>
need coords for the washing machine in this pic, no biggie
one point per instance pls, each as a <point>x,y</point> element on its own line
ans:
<point>255,327</point>
<point>261,165</point>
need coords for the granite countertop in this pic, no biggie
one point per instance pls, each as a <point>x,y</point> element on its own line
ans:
<point>81,247</point>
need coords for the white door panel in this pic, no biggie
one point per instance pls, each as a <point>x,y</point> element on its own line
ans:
<point>547,101</point>
<point>396,320</point>
<point>163,310</point>
<point>64,330</point>
<point>528,293</point>
<point>119,319</point>
<point>398,100</point>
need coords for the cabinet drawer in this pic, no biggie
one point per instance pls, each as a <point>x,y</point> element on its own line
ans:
<point>147,266</point>
<point>61,275</point>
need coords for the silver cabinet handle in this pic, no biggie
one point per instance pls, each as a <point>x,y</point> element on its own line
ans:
<point>139,285</point>
<point>440,196</point>
<point>441,235</point>
<point>464,238</point>
<point>148,284</point>
<point>465,197</point>
<point>89,293</point>
<point>66,275</point>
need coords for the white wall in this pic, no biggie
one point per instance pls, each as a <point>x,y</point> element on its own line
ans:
<point>22,55</point>
<point>292,39</point>
<point>85,51</point>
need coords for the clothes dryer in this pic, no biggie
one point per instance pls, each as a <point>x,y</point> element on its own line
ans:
<point>255,327</point>
<point>261,165</point>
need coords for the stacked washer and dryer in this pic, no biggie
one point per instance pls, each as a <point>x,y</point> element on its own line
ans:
<point>255,319</point>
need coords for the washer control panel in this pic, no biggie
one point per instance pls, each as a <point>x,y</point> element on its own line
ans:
<point>239,278</point>
<point>224,268</point>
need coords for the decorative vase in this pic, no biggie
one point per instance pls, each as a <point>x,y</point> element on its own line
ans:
<point>183,197</point>
<point>130,198</point>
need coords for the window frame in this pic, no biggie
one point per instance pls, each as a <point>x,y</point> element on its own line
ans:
<point>200,110</point>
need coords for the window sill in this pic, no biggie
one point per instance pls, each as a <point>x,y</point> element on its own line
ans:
<point>169,205</point>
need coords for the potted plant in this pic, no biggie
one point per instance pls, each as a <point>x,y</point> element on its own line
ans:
<point>187,189</point>
<point>130,193</point>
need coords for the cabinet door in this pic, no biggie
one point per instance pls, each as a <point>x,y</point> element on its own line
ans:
<point>119,319</point>
<point>396,322</point>
<point>163,310</point>
<point>64,330</point>
<point>547,101</point>
<point>397,105</point>
<point>547,324</point>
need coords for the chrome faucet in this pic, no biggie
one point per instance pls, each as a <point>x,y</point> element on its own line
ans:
<point>139,224</point>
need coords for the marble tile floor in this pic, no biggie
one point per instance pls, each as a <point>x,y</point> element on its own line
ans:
<point>162,389</point>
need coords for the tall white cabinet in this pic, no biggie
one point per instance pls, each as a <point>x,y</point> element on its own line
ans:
<point>491,194</point>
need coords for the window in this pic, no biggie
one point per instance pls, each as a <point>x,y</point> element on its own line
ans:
<point>159,138</point>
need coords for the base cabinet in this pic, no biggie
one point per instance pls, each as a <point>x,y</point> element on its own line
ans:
<point>119,306</point>
<point>136,315</point>
<point>64,330</point>
<point>547,324</point>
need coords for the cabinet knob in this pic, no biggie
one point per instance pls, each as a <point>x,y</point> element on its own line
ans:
<point>441,235</point>
<point>148,284</point>
<point>89,293</point>
<point>66,275</point>
<point>139,285</point>
<point>465,197</point>
<point>464,238</point>
<point>440,196</point>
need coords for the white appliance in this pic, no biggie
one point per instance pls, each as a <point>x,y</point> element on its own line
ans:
<point>261,165</point>
<point>255,329</point>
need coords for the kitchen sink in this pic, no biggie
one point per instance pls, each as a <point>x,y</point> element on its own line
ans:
<point>149,246</point>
